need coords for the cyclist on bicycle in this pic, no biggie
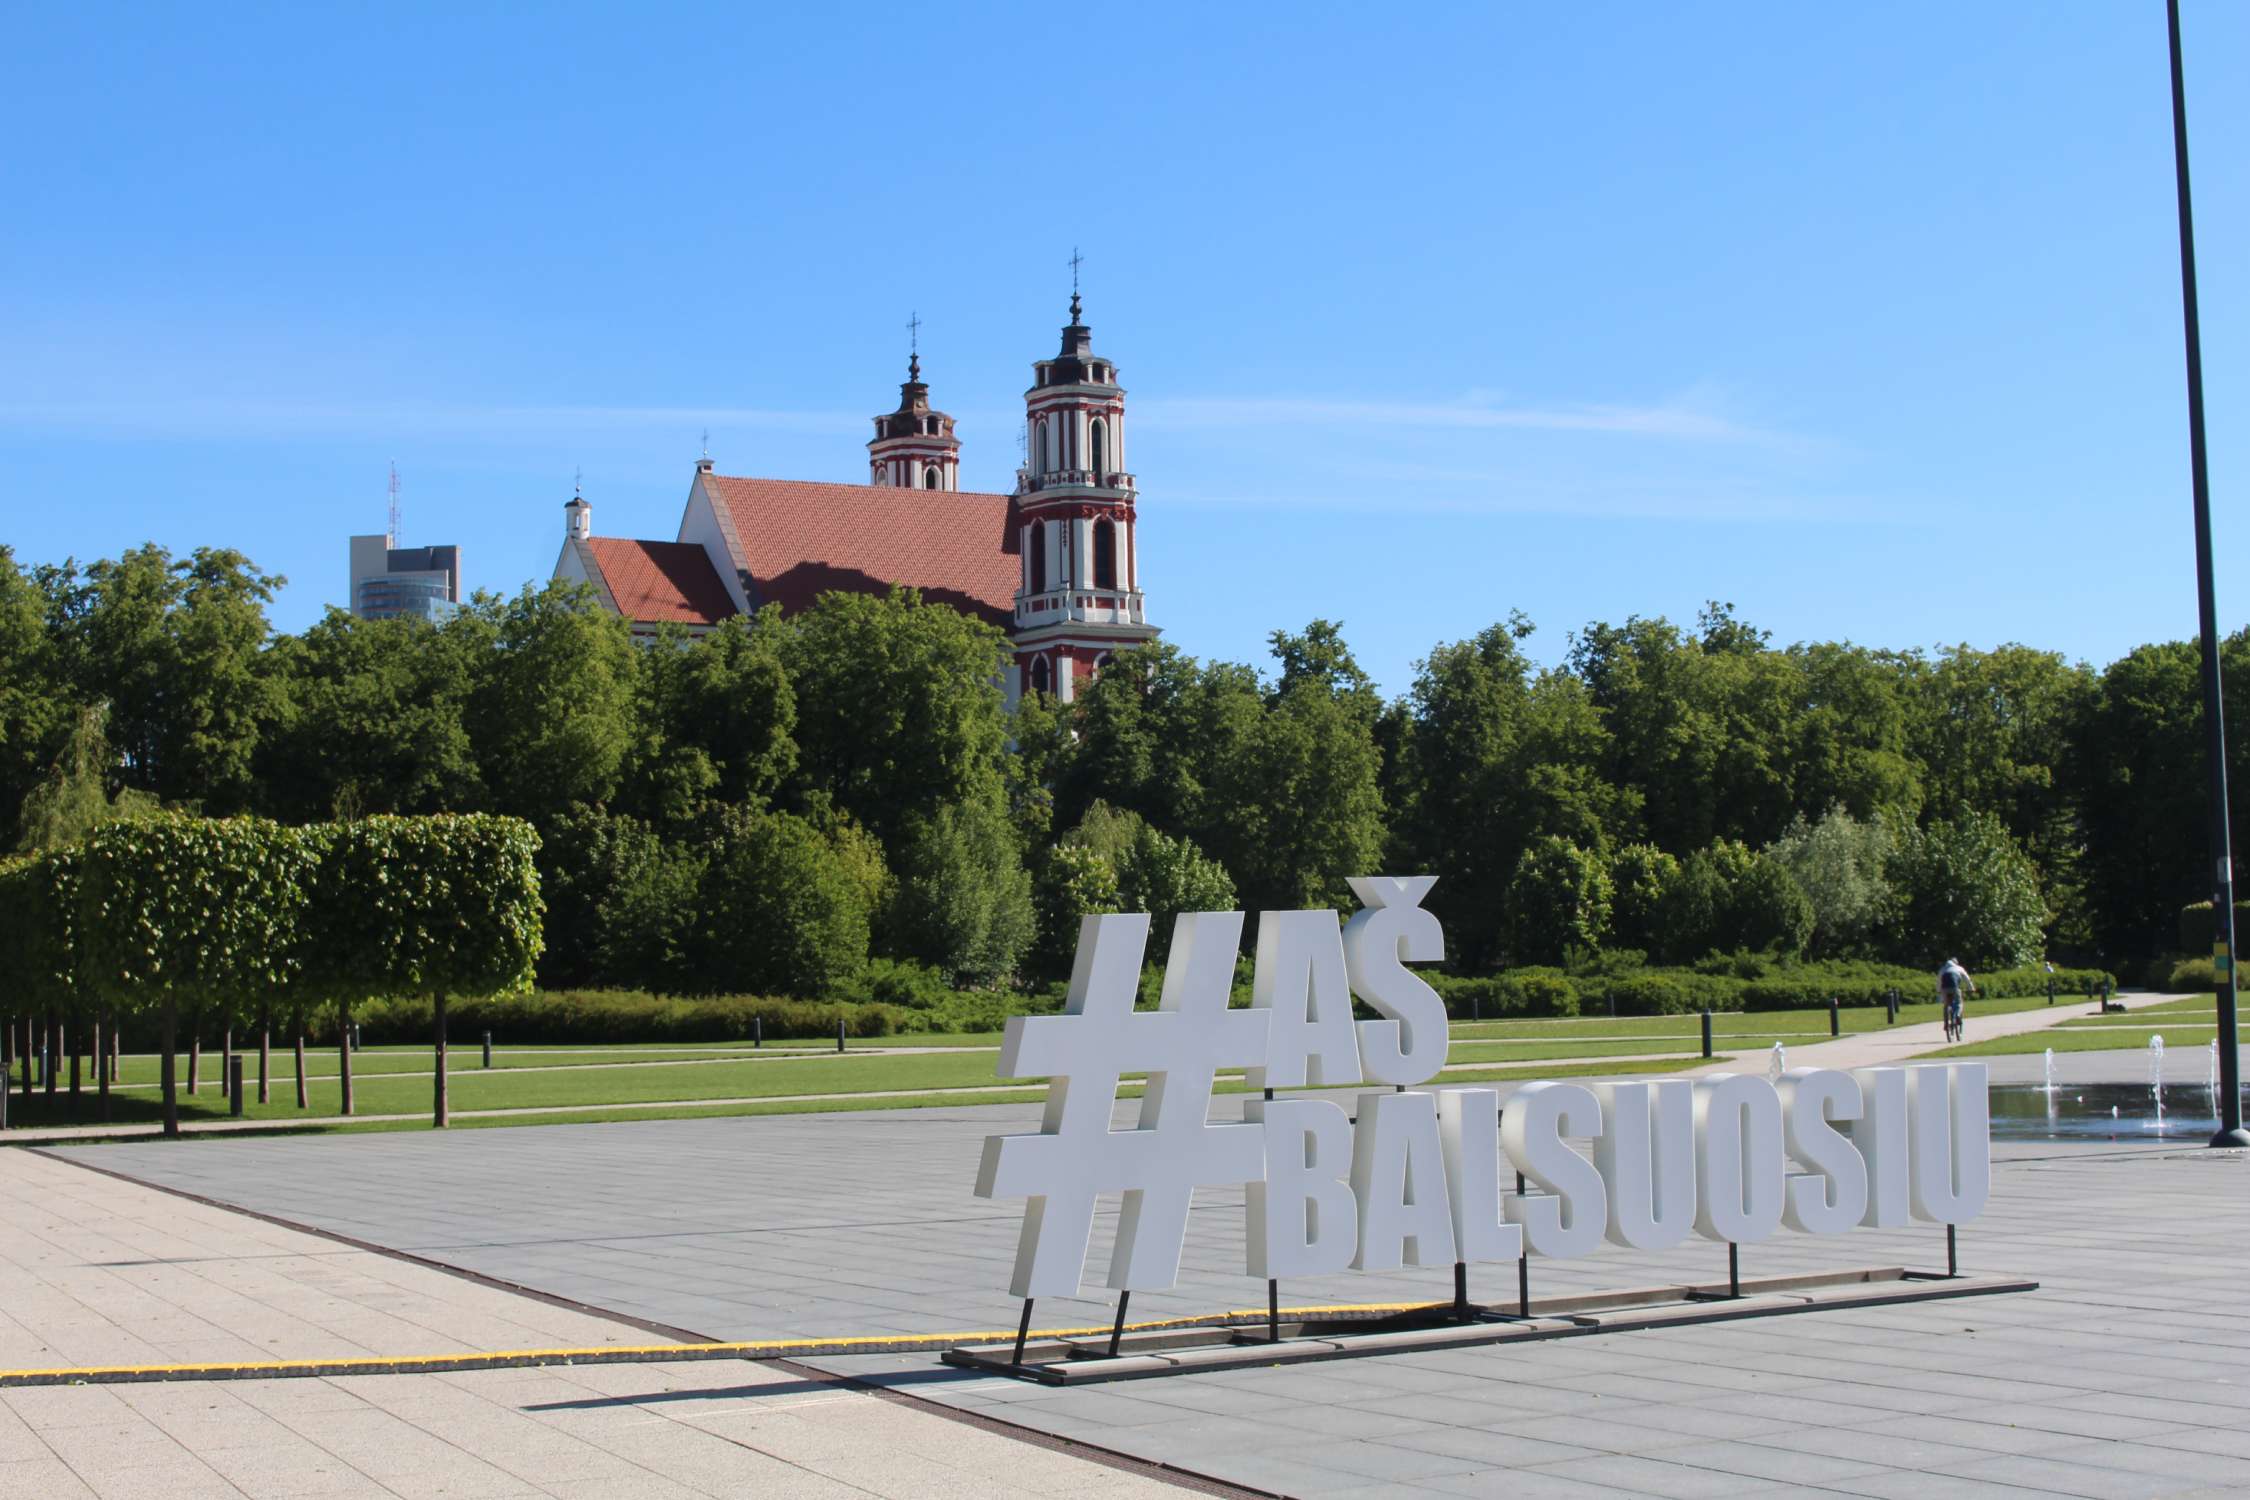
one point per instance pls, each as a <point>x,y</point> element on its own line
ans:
<point>1954,986</point>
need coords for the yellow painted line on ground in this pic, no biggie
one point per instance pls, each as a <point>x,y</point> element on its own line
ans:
<point>433,1364</point>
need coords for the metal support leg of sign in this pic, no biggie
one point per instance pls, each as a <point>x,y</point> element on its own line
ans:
<point>1117,1329</point>
<point>1523,1269</point>
<point>1952,1254</point>
<point>1461,1311</point>
<point>1273,1312</point>
<point>1734,1269</point>
<point>1023,1331</point>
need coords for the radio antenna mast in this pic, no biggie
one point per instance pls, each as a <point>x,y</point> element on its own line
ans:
<point>391,537</point>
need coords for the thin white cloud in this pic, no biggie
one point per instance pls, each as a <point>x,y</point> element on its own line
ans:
<point>262,418</point>
<point>1676,419</point>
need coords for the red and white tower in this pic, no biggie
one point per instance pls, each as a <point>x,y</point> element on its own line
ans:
<point>1081,594</point>
<point>914,447</point>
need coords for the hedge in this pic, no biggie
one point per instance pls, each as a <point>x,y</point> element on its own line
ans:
<point>621,1017</point>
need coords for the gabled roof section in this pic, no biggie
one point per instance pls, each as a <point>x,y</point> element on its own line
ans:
<point>798,540</point>
<point>654,582</point>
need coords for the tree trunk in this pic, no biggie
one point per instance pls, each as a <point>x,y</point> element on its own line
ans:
<point>105,1042</point>
<point>170,1066</point>
<point>265,1057</point>
<point>226,1059</point>
<point>194,1062</point>
<point>49,1041</point>
<point>344,1053</point>
<point>116,1051</point>
<point>303,1100</point>
<point>72,1040</point>
<point>7,1047</point>
<point>438,1076</point>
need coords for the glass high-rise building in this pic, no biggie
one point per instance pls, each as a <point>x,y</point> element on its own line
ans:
<point>390,583</point>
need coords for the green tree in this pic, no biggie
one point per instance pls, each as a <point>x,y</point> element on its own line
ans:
<point>173,648</point>
<point>1641,877</point>
<point>899,707</point>
<point>1770,912</point>
<point>370,716</point>
<point>716,718</point>
<point>1558,899</point>
<point>779,910</point>
<point>619,901</point>
<point>434,906</point>
<point>1840,864</point>
<point>550,715</point>
<point>35,710</point>
<point>1074,882</point>
<point>179,912</point>
<point>960,899</point>
<point>1967,891</point>
<point>74,799</point>
<point>1165,876</point>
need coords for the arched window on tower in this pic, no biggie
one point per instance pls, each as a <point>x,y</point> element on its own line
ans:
<point>1105,554</point>
<point>930,477</point>
<point>1039,557</point>
<point>1047,447</point>
<point>1101,450</point>
<point>1039,679</point>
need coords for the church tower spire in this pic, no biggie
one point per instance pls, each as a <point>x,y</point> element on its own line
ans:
<point>1077,507</point>
<point>914,446</point>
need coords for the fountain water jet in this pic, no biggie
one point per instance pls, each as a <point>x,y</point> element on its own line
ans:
<point>2156,1076</point>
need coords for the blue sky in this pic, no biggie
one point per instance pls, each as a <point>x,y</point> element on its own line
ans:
<point>1864,318</point>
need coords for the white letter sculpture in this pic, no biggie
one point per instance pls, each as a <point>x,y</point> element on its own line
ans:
<point>1175,1149</point>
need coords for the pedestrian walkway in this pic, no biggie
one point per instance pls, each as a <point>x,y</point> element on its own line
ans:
<point>1896,1044</point>
<point>103,1271</point>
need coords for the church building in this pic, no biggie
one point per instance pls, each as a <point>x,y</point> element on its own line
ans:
<point>1055,564</point>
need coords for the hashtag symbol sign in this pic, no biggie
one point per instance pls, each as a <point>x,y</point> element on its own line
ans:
<point>1074,1156</point>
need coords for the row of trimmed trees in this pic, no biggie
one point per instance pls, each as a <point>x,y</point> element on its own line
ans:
<point>242,921</point>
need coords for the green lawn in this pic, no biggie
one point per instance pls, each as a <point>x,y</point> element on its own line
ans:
<point>726,1079</point>
<point>686,1110</point>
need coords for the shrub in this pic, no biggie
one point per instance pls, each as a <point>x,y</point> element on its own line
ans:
<point>1639,877</point>
<point>1516,993</point>
<point>1769,911</point>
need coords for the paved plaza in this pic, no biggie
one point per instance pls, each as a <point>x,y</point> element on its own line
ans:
<point>2124,1375</point>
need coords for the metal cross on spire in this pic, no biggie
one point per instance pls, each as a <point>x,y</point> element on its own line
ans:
<point>578,480</point>
<point>1076,260</point>
<point>914,333</point>
<point>706,442</point>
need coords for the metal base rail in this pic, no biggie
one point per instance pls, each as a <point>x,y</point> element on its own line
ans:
<point>1216,1345</point>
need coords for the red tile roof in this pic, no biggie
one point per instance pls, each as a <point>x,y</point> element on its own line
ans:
<point>655,581</point>
<point>801,539</point>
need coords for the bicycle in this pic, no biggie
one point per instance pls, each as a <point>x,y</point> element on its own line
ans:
<point>1954,1029</point>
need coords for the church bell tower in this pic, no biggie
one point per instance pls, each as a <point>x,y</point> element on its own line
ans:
<point>914,447</point>
<point>1076,500</point>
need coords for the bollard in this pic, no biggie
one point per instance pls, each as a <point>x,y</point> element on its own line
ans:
<point>2050,989</point>
<point>839,1033</point>
<point>234,1085</point>
<point>1706,1033</point>
<point>488,1049</point>
<point>757,1031</point>
<point>1835,1018</point>
<point>1890,1006</point>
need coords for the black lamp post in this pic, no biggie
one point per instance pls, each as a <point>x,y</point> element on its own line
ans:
<point>2230,1131</point>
